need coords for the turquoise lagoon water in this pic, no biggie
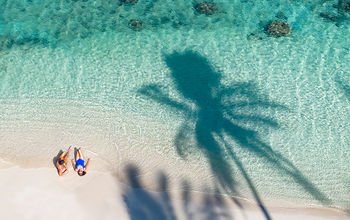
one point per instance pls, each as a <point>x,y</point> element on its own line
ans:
<point>273,113</point>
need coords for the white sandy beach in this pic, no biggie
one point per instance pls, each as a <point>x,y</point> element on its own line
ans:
<point>39,193</point>
<point>31,188</point>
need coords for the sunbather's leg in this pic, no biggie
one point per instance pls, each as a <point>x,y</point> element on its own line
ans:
<point>77,155</point>
<point>80,154</point>
<point>66,154</point>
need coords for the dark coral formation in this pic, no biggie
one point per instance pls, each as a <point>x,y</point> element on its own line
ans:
<point>129,1</point>
<point>328,16</point>
<point>279,29</point>
<point>344,5</point>
<point>281,15</point>
<point>206,8</point>
<point>6,43</point>
<point>136,25</point>
<point>254,36</point>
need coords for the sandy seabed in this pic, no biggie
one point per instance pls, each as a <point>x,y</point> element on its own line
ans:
<point>39,193</point>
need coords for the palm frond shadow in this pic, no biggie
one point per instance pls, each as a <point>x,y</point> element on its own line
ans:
<point>141,204</point>
<point>345,88</point>
<point>223,112</point>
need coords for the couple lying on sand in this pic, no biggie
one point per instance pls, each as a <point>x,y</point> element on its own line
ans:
<point>79,166</point>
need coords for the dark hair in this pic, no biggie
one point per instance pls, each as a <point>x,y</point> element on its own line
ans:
<point>82,173</point>
<point>61,162</point>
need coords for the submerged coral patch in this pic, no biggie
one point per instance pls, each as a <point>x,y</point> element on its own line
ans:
<point>344,5</point>
<point>279,29</point>
<point>206,8</point>
<point>327,16</point>
<point>130,1</point>
<point>136,25</point>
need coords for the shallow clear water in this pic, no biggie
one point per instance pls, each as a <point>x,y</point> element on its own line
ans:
<point>185,71</point>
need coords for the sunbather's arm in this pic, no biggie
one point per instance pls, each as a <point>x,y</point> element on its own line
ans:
<point>64,172</point>
<point>67,154</point>
<point>87,164</point>
<point>61,173</point>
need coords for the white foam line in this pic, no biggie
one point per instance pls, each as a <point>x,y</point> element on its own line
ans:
<point>94,153</point>
<point>6,162</point>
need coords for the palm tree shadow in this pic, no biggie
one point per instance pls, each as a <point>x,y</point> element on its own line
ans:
<point>223,113</point>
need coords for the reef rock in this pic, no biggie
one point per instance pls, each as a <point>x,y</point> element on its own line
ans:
<point>129,1</point>
<point>136,25</point>
<point>281,15</point>
<point>278,29</point>
<point>328,16</point>
<point>206,8</point>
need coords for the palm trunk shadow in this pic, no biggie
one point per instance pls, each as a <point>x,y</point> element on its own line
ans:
<point>249,182</point>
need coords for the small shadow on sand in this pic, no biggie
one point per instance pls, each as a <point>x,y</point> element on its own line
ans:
<point>56,158</point>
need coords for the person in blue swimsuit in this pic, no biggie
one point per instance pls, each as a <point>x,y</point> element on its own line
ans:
<point>79,165</point>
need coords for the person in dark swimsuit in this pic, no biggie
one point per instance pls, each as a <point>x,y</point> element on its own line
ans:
<point>79,165</point>
<point>61,162</point>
